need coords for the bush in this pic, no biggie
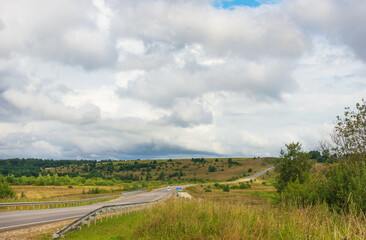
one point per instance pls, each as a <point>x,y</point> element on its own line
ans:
<point>226,188</point>
<point>208,189</point>
<point>5,190</point>
<point>293,164</point>
<point>345,186</point>
<point>244,186</point>
<point>94,191</point>
<point>211,169</point>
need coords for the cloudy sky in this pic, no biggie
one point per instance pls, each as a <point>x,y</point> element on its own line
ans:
<point>127,79</point>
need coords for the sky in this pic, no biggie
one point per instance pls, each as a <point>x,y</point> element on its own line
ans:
<point>126,79</point>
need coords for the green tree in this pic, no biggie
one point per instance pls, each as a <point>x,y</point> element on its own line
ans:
<point>5,190</point>
<point>211,169</point>
<point>349,134</point>
<point>293,164</point>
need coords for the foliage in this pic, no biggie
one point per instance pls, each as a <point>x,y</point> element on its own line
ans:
<point>33,167</point>
<point>319,157</point>
<point>349,135</point>
<point>292,164</point>
<point>208,189</point>
<point>199,160</point>
<point>226,188</point>
<point>241,186</point>
<point>211,169</point>
<point>342,187</point>
<point>194,219</point>
<point>5,190</point>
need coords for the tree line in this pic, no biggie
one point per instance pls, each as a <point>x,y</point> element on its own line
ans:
<point>342,185</point>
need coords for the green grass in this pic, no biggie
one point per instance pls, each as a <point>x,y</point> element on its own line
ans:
<point>197,219</point>
<point>238,214</point>
<point>113,229</point>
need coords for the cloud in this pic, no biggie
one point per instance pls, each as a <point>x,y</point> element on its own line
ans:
<point>263,80</point>
<point>186,113</point>
<point>164,78</point>
<point>44,108</point>
<point>341,21</point>
<point>242,32</point>
<point>55,32</point>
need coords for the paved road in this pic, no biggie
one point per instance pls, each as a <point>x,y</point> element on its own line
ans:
<point>253,176</point>
<point>18,219</point>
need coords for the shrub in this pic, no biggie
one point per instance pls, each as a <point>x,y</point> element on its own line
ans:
<point>5,190</point>
<point>211,169</point>
<point>94,191</point>
<point>244,186</point>
<point>294,164</point>
<point>226,188</point>
<point>208,189</point>
<point>22,195</point>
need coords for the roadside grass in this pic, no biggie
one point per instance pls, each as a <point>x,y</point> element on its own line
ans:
<point>117,228</point>
<point>206,219</point>
<point>237,214</point>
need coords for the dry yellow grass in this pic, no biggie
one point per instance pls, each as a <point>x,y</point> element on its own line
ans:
<point>190,169</point>
<point>251,196</point>
<point>35,232</point>
<point>59,193</point>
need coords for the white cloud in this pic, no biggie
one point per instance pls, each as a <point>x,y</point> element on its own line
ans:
<point>43,107</point>
<point>124,77</point>
<point>134,79</point>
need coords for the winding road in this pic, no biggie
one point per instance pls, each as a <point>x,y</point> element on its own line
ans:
<point>19,219</point>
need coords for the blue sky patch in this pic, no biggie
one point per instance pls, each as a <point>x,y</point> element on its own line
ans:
<point>227,4</point>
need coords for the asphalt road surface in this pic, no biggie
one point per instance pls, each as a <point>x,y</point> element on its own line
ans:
<point>19,219</point>
<point>253,176</point>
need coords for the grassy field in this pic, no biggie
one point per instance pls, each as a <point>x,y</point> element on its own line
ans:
<point>258,194</point>
<point>237,214</point>
<point>232,215</point>
<point>189,170</point>
<point>62,193</point>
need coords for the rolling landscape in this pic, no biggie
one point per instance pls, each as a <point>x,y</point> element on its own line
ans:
<point>183,119</point>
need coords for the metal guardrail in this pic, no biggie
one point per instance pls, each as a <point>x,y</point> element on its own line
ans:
<point>106,211</point>
<point>17,204</point>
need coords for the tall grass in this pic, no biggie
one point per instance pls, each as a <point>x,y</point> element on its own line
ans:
<point>182,219</point>
<point>198,219</point>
